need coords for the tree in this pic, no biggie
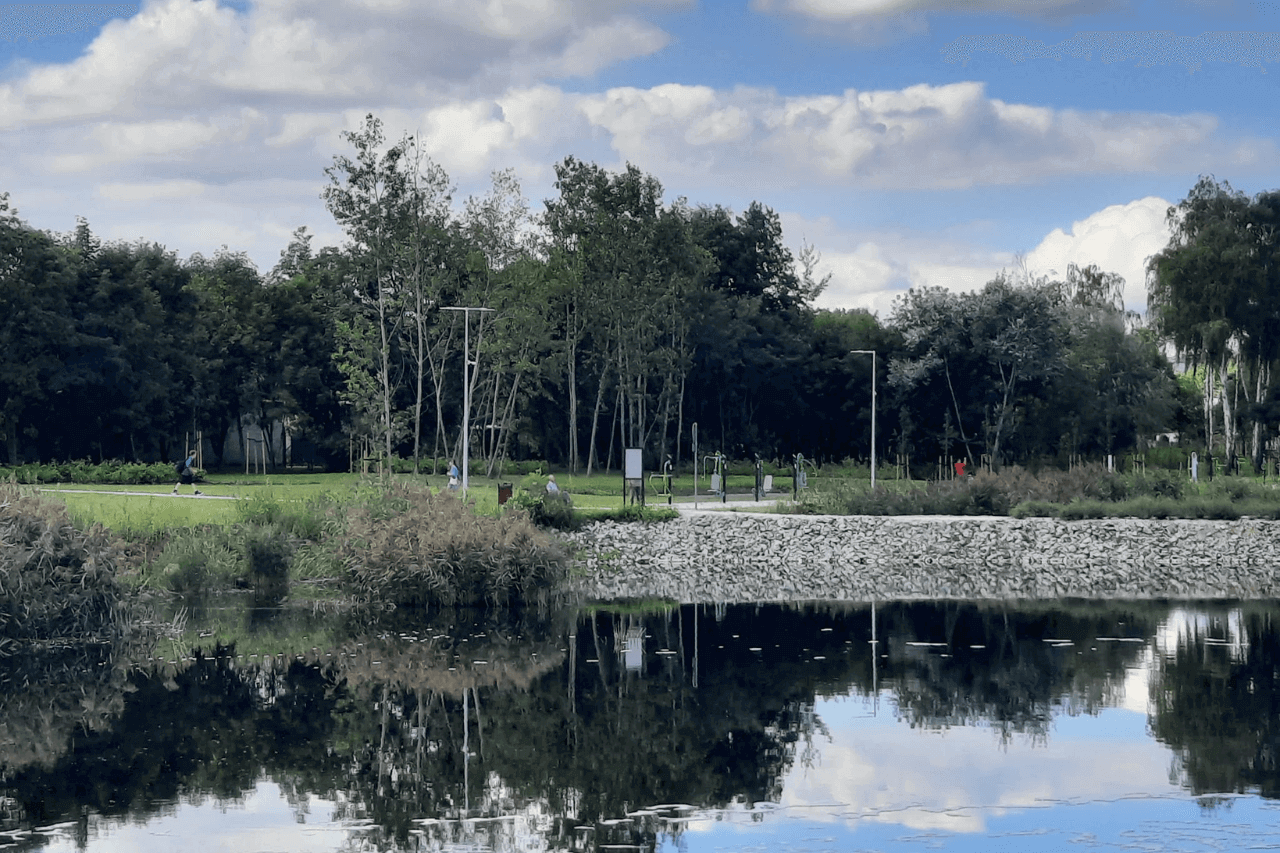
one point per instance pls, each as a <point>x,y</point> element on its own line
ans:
<point>370,198</point>
<point>997,349</point>
<point>34,324</point>
<point>1213,293</point>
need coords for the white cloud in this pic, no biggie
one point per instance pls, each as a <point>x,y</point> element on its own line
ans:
<point>893,773</point>
<point>922,137</point>
<point>143,192</point>
<point>870,268</point>
<point>1118,239</point>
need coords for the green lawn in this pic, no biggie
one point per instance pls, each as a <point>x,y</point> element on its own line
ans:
<point>149,509</point>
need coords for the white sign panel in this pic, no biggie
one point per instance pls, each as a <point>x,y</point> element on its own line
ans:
<point>635,467</point>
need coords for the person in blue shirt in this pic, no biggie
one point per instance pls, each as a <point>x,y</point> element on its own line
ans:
<point>454,474</point>
<point>187,473</point>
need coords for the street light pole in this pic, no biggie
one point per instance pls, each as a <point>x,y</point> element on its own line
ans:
<point>871,353</point>
<point>466,389</point>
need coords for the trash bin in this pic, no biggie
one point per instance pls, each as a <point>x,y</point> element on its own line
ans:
<point>504,493</point>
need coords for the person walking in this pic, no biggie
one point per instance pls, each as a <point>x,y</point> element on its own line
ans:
<point>187,473</point>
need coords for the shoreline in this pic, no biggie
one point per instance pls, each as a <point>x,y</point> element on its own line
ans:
<point>716,556</point>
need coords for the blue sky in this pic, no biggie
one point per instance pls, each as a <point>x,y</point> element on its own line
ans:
<point>912,142</point>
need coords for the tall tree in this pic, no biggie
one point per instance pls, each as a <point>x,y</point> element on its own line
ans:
<point>1213,294</point>
<point>370,198</point>
<point>34,323</point>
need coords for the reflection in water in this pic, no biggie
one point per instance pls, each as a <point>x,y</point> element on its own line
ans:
<point>651,727</point>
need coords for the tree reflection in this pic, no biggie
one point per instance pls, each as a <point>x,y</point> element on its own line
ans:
<point>1012,666</point>
<point>1216,703</point>
<point>417,721</point>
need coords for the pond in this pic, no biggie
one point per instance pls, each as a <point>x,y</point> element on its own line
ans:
<point>893,726</point>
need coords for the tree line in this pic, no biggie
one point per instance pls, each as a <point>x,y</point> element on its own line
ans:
<point>617,319</point>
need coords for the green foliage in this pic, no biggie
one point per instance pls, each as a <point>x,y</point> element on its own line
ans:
<point>634,513</point>
<point>949,497</point>
<point>1036,509</point>
<point>1160,484</point>
<point>546,510</point>
<point>301,519</point>
<point>58,581</point>
<point>411,547</point>
<point>267,552</point>
<point>195,560</point>
<point>83,471</point>
<point>1170,456</point>
<point>1082,509</point>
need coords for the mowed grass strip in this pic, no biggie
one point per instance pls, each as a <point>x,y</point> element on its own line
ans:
<point>145,514</point>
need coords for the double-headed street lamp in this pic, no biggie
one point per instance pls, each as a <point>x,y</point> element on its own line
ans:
<point>466,388</point>
<point>871,353</point>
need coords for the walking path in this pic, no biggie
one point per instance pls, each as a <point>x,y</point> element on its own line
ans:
<point>143,494</point>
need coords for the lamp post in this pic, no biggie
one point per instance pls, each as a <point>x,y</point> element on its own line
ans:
<point>466,388</point>
<point>871,353</point>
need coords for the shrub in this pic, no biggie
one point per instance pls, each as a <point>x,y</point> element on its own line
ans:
<point>554,511</point>
<point>412,547</point>
<point>195,559</point>
<point>301,520</point>
<point>266,553</point>
<point>1082,509</point>
<point>85,471</point>
<point>1036,509</point>
<point>1232,489</point>
<point>635,513</point>
<point>1160,484</point>
<point>1146,507</point>
<point>59,582</point>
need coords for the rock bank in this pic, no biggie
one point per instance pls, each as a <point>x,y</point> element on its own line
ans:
<point>744,557</point>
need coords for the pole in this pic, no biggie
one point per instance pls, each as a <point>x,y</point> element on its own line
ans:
<point>466,405</point>
<point>871,353</point>
<point>466,390</point>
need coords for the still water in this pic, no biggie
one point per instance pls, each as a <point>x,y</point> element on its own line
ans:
<point>898,726</point>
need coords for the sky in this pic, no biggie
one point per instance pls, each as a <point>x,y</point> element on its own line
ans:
<point>910,142</point>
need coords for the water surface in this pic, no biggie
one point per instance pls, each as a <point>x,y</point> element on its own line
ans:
<point>897,726</point>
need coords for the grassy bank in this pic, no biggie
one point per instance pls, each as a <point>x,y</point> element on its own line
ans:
<point>1088,491</point>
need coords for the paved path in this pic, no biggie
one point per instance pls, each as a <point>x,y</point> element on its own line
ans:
<point>142,494</point>
<point>735,503</point>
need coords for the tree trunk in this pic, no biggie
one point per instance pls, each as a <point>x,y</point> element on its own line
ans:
<point>1228,415</point>
<point>595,416</point>
<point>946,369</point>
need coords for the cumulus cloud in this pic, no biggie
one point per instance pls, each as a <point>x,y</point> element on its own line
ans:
<point>871,268</point>
<point>951,136</point>
<point>1118,239</point>
<point>178,54</point>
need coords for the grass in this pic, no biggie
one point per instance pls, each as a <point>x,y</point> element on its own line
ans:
<point>143,515</point>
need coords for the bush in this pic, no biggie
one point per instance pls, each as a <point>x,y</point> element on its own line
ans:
<point>266,552</point>
<point>635,513</point>
<point>1160,484</point>
<point>301,520</point>
<point>59,582</point>
<point>82,471</point>
<point>1036,509</point>
<point>1082,509</point>
<point>412,547</point>
<point>1233,489</point>
<point>196,559</point>
<point>1146,507</point>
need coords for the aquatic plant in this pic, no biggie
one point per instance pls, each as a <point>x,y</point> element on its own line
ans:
<point>408,546</point>
<point>57,582</point>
